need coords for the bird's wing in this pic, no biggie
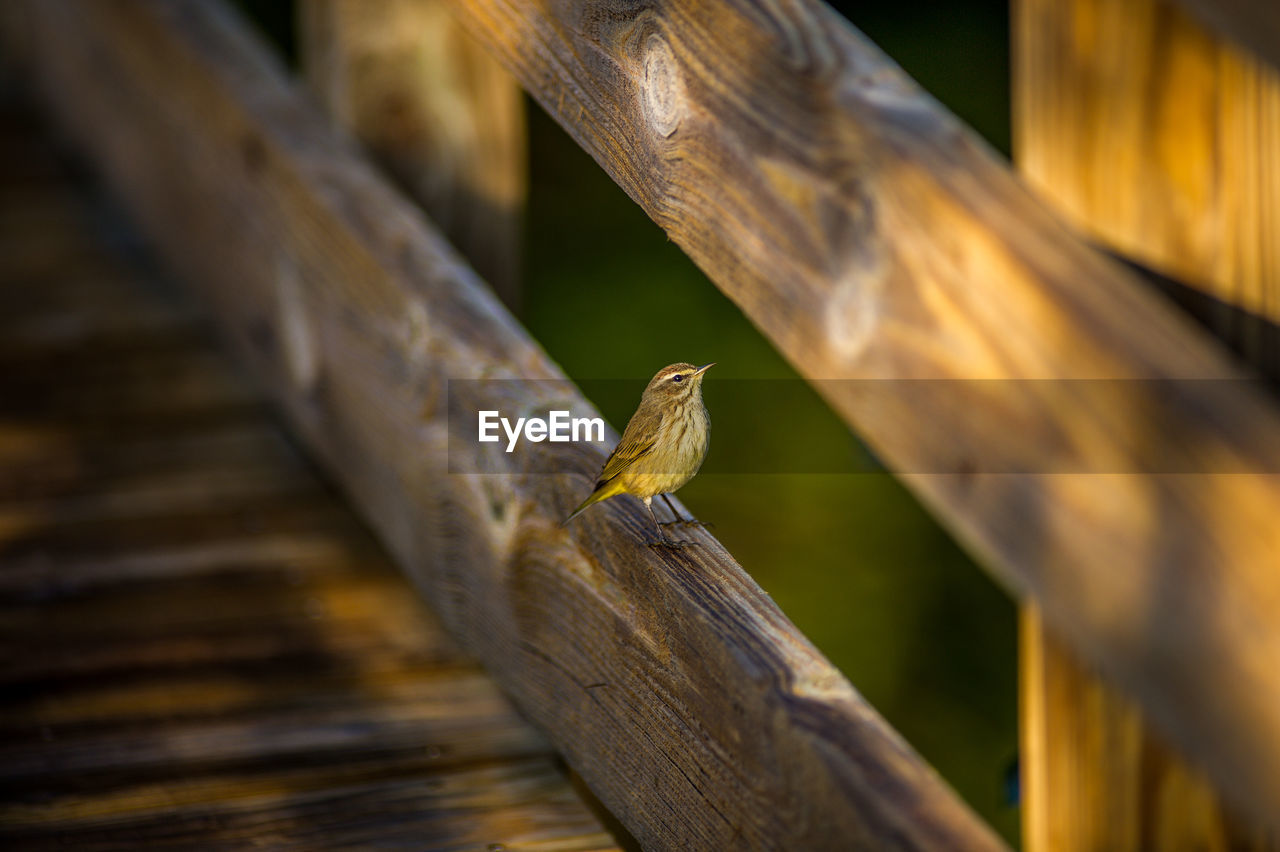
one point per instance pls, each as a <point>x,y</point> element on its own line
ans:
<point>637,440</point>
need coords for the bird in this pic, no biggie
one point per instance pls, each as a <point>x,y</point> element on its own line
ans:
<point>663,445</point>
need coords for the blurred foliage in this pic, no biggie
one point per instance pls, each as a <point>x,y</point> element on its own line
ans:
<point>852,558</point>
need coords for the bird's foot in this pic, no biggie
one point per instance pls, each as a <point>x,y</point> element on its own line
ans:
<point>688,522</point>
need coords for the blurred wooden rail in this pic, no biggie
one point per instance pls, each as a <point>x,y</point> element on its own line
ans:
<point>687,701</point>
<point>199,647</point>
<point>870,235</point>
<point>438,112</point>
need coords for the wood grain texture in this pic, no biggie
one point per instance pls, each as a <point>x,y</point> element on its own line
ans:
<point>1159,139</point>
<point>1163,141</point>
<point>668,679</point>
<point>1095,777</point>
<point>871,236</point>
<point>1255,24</point>
<point>441,114</point>
<point>236,668</point>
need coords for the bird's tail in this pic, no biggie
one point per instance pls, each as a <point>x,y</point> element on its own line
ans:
<point>603,492</point>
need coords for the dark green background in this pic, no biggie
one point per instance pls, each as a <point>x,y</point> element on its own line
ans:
<point>851,558</point>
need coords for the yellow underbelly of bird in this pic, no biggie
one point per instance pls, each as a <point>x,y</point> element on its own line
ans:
<point>666,468</point>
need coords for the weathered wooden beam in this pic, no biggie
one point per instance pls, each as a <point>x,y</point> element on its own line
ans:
<point>1153,136</point>
<point>437,110</point>
<point>1252,23</point>
<point>669,680</point>
<point>871,236</point>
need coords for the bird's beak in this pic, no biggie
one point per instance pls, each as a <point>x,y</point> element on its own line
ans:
<point>704,368</point>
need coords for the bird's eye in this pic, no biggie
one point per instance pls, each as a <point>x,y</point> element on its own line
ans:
<point>678,377</point>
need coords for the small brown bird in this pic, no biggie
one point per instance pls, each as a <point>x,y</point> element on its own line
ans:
<point>663,445</point>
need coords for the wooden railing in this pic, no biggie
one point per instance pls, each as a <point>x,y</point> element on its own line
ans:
<point>869,235</point>
<point>669,680</point>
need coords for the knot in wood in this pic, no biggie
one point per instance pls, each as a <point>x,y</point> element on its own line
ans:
<point>855,306</point>
<point>662,87</point>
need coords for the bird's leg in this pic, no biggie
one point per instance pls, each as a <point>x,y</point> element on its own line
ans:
<point>662,535</point>
<point>663,541</point>
<point>679,519</point>
<point>682,520</point>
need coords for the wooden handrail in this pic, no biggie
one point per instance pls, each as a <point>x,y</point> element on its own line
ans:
<point>869,234</point>
<point>669,680</point>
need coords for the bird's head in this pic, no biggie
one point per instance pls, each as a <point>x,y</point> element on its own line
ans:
<point>677,381</point>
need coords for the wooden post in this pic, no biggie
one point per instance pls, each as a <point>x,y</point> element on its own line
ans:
<point>1094,777</point>
<point>1162,141</point>
<point>441,115</point>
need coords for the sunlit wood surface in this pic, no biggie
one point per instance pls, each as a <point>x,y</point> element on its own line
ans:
<point>1096,777</point>
<point>1161,139</point>
<point>200,647</point>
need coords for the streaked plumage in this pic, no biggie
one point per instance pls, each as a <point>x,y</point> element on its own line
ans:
<point>663,445</point>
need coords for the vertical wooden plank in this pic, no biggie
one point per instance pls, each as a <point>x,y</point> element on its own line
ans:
<point>1162,141</point>
<point>443,117</point>
<point>1094,777</point>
